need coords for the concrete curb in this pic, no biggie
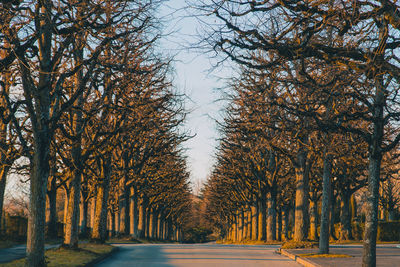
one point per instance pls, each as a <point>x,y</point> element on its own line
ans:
<point>302,261</point>
<point>101,258</point>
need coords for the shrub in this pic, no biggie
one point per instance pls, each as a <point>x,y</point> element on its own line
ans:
<point>389,231</point>
<point>197,235</point>
<point>299,244</point>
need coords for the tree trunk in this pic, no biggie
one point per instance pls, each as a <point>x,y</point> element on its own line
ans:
<point>244,223</point>
<point>161,226</point>
<point>301,211</point>
<point>332,214</point>
<point>326,194</point>
<point>38,186</point>
<point>314,219</point>
<point>353,207</point>
<point>124,212</point>
<point>169,229</point>
<point>92,211</point>
<point>375,157</point>
<point>52,231</point>
<point>254,221</point>
<point>279,232</point>
<point>4,160</point>
<point>271,224</point>
<point>286,212</point>
<point>3,177</point>
<point>263,219</point>
<point>135,214</point>
<point>84,218</point>
<point>154,225</point>
<point>148,221</point>
<point>99,233</point>
<point>142,215</point>
<point>112,224</point>
<point>345,217</point>
<point>72,223</point>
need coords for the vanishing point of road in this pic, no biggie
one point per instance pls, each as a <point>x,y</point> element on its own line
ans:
<point>195,255</point>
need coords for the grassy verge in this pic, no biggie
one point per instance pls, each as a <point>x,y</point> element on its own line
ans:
<point>315,255</point>
<point>61,257</point>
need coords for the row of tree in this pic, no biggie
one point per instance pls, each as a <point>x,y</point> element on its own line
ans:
<point>326,73</point>
<point>87,107</point>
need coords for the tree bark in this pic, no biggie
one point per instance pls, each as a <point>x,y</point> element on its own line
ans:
<point>72,223</point>
<point>84,232</point>
<point>314,219</point>
<point>263,218</point>
<point>142,215</point>
<point>271,224</point>
<point>135,214</point>
<point>345,217</point>
<point>148,222</point>
<point>154,224</point>
<point>301,211</point>
<point>124,212</point>
<point>254,221</point>
<point>38,186</point>
<point>279,232</point>
<point>326,194</point>
<point>286,212</point>
<point>375,157</point>
<point>332,215</point>
<point>99,233</point>
<point>52,231</point>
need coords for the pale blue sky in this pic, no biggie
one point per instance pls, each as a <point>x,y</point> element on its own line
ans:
<point>193,78</point>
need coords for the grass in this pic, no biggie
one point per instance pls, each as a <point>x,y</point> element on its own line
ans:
<point>315,255</point>
<point>62,257</point>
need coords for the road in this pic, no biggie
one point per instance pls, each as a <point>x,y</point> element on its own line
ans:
<point>168,255</point>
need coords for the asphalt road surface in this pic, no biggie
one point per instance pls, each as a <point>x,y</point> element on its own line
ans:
<point>168,255</point>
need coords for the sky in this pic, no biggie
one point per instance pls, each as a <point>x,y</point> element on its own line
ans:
<point>193,77</point>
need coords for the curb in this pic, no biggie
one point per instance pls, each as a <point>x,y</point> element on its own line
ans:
<point>302,261</point>
<point>101,258</point>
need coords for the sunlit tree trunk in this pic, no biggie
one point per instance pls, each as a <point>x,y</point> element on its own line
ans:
<point>99,233</point>
<point>263,217</point>
<point>301,211</point>
<point>314,219</point>
<point>271,224</point>
<point>135,214</point>
<point>286,211</point>
<point>279,231</point>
